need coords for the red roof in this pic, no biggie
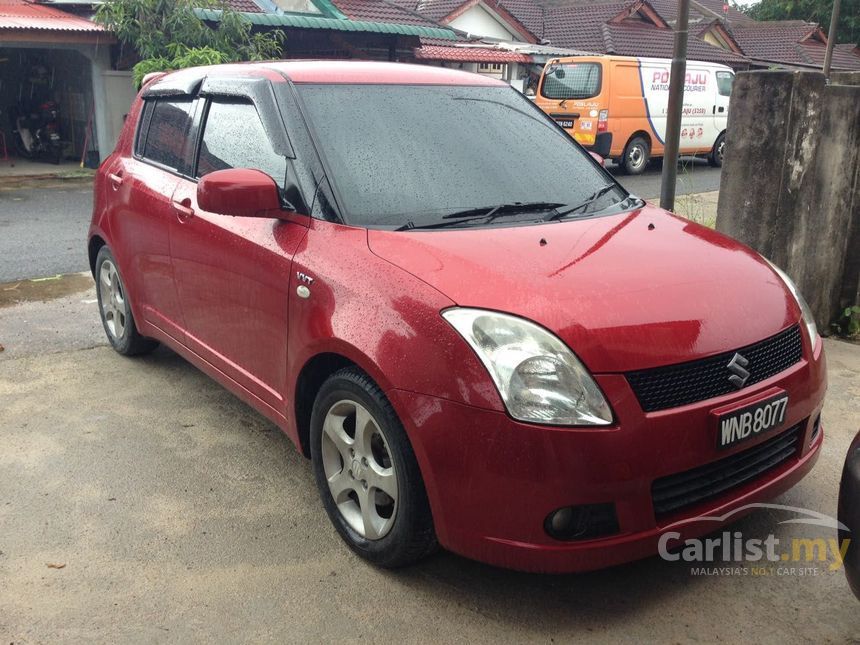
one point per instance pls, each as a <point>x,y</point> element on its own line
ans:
<point>21,14</point>
<point>634,40</point>
<point>469,54</point>
<point>846,57</point>
<point>381,11</point>
<point>244,6</point>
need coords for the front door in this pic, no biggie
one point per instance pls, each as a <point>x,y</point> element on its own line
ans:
<point>233,273</point>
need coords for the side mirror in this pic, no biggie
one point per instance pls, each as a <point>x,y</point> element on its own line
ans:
<point>241,192</point>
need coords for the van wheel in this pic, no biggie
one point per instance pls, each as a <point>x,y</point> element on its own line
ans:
<point>367,474</point>
<point>115,309</point>
<point>715,158</point>
<point>636,155</point>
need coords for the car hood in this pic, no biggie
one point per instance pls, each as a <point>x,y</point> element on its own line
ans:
<point>625,292</point>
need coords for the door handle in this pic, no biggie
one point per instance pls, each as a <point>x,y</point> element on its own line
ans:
<point>184,212</point>
<point>721,109</point>
<point>115,179</point>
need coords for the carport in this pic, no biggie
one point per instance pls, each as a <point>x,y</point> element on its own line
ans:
<point>49,54</point>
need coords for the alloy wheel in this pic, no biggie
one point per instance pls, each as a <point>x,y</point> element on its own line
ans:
<point>114,306</point>
<point>361,475</point>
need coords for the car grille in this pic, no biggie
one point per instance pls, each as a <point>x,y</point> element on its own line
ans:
<point>665,387</point>
<point>679,491</point>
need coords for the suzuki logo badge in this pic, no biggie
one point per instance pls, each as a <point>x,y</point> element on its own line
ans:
<point>737,367</point>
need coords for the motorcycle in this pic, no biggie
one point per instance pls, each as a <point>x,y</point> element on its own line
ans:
<point>36,131</point>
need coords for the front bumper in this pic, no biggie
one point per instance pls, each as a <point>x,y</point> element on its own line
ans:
<point>492,481</point>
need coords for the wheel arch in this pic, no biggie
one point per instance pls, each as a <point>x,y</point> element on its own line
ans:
<point>314,372</point>
<point>645,135</point>
<point>94,245</point>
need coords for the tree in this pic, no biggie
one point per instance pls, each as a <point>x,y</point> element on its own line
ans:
<point>167,35</point>
<point>848,30</point>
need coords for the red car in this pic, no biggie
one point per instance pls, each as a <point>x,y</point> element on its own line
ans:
<point>479,338</point>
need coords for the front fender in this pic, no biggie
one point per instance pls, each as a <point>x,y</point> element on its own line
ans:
<point>381,318</point>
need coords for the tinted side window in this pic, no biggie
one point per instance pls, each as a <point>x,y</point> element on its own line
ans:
<point>168,128</point>
<point>233,137</point>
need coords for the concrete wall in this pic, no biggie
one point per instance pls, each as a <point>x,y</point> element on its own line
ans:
<point>790,185</point>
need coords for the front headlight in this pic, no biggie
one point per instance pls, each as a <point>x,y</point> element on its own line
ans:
<point>808,318</point>
<point>539,378</point>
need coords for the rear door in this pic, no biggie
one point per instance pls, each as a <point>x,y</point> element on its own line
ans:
<point>233,273</point>
<point>142,187</point>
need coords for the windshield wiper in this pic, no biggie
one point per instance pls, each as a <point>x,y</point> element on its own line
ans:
<point>581,207</point>
<point>504,209</point>
<point>484,213</point>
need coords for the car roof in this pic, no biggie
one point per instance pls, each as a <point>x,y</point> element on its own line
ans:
<point>327,72</point>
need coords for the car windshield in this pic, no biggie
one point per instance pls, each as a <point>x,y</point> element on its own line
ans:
<point>407,156</point>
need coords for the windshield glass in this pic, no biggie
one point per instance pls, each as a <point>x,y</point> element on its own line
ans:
<point>412,154</point>
<point>571,81</point>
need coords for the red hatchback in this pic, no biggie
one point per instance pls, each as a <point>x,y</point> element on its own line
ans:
<point>479,338</point>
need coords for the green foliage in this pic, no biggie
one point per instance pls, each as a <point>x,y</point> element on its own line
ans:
<point>848,324</point>
<point>167,35</point>
<point>848,30</point>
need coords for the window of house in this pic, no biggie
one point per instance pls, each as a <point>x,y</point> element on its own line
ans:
<point>167,132</point>
<point>234,137</point>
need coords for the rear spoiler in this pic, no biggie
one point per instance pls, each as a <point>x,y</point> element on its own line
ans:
<point>152,76</point>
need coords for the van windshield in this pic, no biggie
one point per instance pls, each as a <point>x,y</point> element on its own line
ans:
<point>571,81</point>
<point>401,155</point>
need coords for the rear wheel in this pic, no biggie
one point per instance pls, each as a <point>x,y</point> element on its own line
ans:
<point>636,156</point>
<point>115,309</point>
<point>367,474</point>
<point>715,158</point>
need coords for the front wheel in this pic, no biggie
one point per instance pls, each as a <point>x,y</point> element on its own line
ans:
<point>367,474</point>
<point>715,158</point>
<point>636,156</point>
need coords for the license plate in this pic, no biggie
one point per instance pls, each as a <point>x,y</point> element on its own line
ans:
<point>567,124</point>
<point>751,421</point>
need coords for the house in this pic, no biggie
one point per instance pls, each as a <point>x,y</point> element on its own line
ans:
<point>47,53</point>
<point>718,32</point>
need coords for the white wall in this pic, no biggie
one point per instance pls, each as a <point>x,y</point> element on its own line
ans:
<point>481,22</point>
<point>120,92</point>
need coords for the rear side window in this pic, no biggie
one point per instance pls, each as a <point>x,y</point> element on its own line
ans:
<point>234,137</point>
<point>167,132</point>
<point>571,81</point>
<point>724,83</point>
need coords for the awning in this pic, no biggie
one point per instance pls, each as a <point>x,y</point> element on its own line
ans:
<point>23,15</point>
<point>302,21</point>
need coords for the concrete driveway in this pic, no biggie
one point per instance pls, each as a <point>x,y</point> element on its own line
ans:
<point>141,502</point>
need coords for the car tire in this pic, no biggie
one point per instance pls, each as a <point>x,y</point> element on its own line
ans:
<point>715,158</point>
<point>637,152</point>
<point>115,309</point>
<point>358,448</point>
